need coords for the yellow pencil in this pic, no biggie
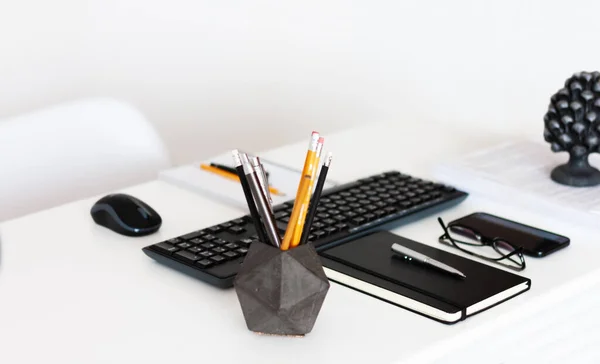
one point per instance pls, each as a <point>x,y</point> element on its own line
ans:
<point>233,177</point>
<point>303,186</point>
<point>308,193</point>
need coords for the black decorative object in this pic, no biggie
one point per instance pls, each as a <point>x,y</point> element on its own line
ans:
<point>572,124</point>
<point>281,292</point>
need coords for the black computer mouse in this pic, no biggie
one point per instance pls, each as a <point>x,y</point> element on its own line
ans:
<point>126,215</point>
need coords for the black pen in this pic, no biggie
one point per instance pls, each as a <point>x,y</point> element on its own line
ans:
<point>312,209</point>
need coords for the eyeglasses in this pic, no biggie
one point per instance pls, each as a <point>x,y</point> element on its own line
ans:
<point>497,250</point>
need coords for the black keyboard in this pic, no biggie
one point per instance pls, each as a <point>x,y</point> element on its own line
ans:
<point>345,212</point>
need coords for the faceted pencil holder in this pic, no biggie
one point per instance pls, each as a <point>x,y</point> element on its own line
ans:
<point>281,292</point>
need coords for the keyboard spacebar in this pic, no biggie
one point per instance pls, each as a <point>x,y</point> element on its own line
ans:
<point>394,216</point>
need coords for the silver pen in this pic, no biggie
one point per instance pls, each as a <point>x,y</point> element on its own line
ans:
<point>262,179</point>
<point>422,258</point>
<point>261,202</point>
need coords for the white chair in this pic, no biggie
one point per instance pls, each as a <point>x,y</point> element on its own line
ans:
<point>74,150</point>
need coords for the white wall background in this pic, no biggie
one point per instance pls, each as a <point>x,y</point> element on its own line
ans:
<point>212,75</point>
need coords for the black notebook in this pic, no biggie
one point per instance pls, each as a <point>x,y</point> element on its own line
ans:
<point>369,266</point>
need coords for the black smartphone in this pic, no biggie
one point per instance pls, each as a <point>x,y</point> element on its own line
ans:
<point>534,241</point>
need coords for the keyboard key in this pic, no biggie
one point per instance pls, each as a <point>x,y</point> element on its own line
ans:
<point>209,237</point>
<point>380,204</point>
<point>311,237</point>
<point>436,194</point>
<point>426,197</point>
<point>331,230</point>
<point>370,207</point>
<point>195,250</point>
<point>204,263</point>
<point>419,191</point>
<point>333,212</point>
<point>166,247</point>
<point>330,205</point>
<point>329,221</point>
<point>369,216</point>
<point>245,242</point>
<point>321,209</point>
<point>324,200</point>
<point>341,226</point>
<point>220,241</point>
<point>184,245</point>
<point>380,189</point>
<point>217,258</point>
<point>340,218</point>
<point>345,194</point>
<point>344,208</point>
<point>236,230</point>
<point>410,194</point>
<point>207,245</point>
<point>187,256</point>
<point>391,201</point>
<point>385,195</point>
<point>206,254</point>
<point>351,199</point>
<point>231,246</point>
<point>405,204</point>
<point>358,220</point>
<point>214,229</point>
<point>350,214</point>
<point>371,193</point>
<point>219,250</point>
<point>231,255</point>
<point>374,198</point>
<point>226,225</point>
<point>415,200</point>
<point>242,251</point>
<point>379,213</point>
<point>322,215</point>
<point>174,241</point>
<point>360,211</point>
<point>390,209</point>
<point>354,205</point>
<point>196,241</point>
<point>334,198</point>
<point>429,188</point>
<point>318,225</point>
<point>354,190</point>
<point>239,222</point>
<point>319,234</point>
<point>364,202</point>
<point>193,235</point>
<point>284,219</point>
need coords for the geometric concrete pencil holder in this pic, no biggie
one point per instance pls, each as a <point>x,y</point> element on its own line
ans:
<point>281,292</point>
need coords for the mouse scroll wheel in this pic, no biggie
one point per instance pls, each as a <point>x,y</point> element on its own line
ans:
<point>144,212</point>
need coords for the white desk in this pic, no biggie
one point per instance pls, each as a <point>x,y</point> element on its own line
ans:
<point>74,292</point>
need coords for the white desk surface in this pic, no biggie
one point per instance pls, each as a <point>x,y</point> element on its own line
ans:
<point>74,292</point>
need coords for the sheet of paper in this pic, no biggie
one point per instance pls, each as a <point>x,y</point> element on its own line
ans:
<point>520,171</point>
<point>193,178</point>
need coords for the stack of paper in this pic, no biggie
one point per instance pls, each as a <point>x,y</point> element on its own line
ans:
<point>519,173</point>
<point>193,178</point>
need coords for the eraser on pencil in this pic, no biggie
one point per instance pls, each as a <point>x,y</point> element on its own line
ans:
<point>321,140</point>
